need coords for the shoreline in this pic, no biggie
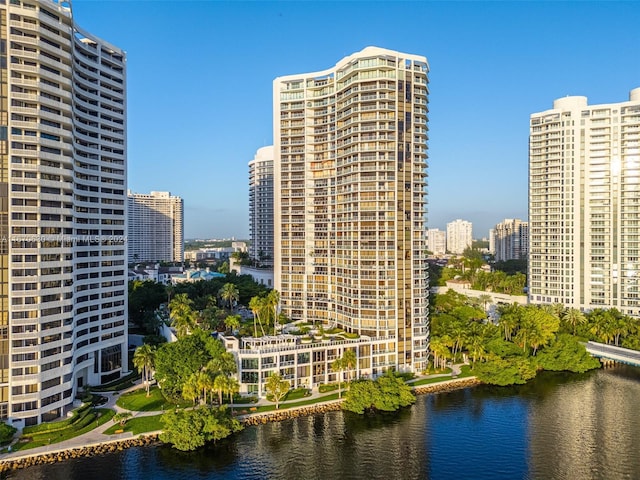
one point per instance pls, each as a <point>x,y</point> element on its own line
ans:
<point>255,419</point>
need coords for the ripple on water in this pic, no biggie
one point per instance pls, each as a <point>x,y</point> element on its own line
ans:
<point>559,426</point>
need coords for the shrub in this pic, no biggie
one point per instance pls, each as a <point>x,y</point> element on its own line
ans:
<point>6,432</point>
<point>327,387</point>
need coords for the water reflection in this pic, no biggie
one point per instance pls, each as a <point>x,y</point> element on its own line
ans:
<point>559,426</point>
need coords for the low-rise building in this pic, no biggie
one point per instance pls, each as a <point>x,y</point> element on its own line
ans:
<point>306,361</point>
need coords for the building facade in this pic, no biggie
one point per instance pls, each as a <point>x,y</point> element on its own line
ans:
<point>459,236</point>
<point>437,241</point>
<point>350,168</point>
<point>584,204</point>
<point>261,206</point>
<point>155,227</point>
<point>63,291</point>
<point>511,240</point>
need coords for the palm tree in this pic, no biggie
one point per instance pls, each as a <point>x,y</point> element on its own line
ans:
<point>440,352</point>
<point>230,293</point>
<point>204,381</point>
<point>350,361</point>
<point>574,317</point>
<point>484,298</point>
<point>144,360</point>
<point>220,385</point>
<point>338,366</point>
<point>232,322</point>
<point>233,387</point>
<point>509,319</point>
<point>224,363</point>
<point>257,306</point>
<point>183,317</point>
<point>190,390</point>
<point>273,300</point>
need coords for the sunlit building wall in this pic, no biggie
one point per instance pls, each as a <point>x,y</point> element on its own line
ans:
<point>350,168</point>
<point>584,204</point>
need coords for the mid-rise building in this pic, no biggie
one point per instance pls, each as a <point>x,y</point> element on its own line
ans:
<point>459,236</point>
<point>63,288</point>
<point>155,227</point>
<point>511,240</point>
<point>584,204</point>
<point>350,168</point>
<point>261,206</point>
<point>492,241</point>
<point>437,241</point>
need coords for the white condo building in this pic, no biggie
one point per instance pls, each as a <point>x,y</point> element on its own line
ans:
<point>63,291</point>
<point>437,241</point>
<point>459,236</point>
<point>261,206</point>
<point>350,172</point>
<point>511,240</point>
<point>155,231</point>
<point>584,204</point>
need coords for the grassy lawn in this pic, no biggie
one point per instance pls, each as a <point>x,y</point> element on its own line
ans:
<point>95,419</point>
<point>138,425</point>
<point>139,402</point>
<point>465,371</point>
<point>284,406</point>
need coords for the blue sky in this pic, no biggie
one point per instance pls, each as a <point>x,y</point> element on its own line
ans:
<point>200,85</point>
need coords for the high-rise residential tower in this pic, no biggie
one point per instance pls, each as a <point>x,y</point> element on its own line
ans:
<point>584,204</point>
<point>511,240</point>
<point>261,206</point>
<point>350,172</point>
<point>63,292</point>
<point>437,241</point>
<point>459,236</point>
<point>155,231</point>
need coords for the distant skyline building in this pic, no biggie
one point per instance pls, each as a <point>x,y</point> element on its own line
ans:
<point>492,241</point>
<point>261,206</point>
<point>63,161</point>
<point>437,241</point>
<point>459,236</point>
<point>350,203</point>
<point>584,204</point>
<point>156,227</point>
<point>511,240</point>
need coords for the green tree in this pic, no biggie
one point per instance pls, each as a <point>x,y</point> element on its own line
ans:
<point>573,317</point>
<point>387,393</point>
<point>190,429</point>
<point>6,432</point>
<point>144,298</point>
<point>505,371</point>
<point>224,268</point>
<point>566,353</point>
<point>277,388</point>
<point>484,298</point>
<point>223,363</point>
<point>144,361</point>
<point>257,306</point>
<point>350,361</point>
<point>183,317</point>
<point>232,322</point>
<point>229,292</point>
<point>177,361</point>
<point>440,352</point>
<point>272,302</point>
<point>338,366</point>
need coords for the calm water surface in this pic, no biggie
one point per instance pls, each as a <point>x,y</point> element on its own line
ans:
<point>559,426</point>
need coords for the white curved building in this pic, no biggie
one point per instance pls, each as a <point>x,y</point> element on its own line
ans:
<point>350,202</point>
<point>62,210</point>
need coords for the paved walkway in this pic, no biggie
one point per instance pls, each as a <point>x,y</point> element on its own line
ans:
<point>97,435</point>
